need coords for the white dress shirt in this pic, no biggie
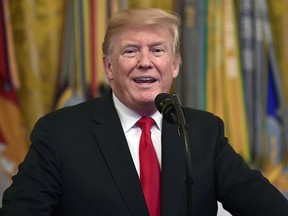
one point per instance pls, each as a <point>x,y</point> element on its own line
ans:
<point>132,132</point>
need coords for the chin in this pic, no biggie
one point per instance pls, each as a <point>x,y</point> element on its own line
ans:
<point>148,97</point>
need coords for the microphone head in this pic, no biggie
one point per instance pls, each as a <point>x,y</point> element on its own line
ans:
<point>161,101</point>
<point>165,106</point>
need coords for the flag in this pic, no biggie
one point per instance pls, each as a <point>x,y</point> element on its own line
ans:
<point>225,96</point>
<point>13,145</point>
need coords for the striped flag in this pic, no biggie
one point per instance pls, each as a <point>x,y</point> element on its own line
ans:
<point>276,111</point>
<point>82,73</point>
<point>13,145</point>
<point>225,95</point>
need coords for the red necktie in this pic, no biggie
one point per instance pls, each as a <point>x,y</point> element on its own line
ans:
<point>149,167</point>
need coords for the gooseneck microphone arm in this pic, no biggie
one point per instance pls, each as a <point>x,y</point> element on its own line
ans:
<point>171,109</point>
<point>183,132</point>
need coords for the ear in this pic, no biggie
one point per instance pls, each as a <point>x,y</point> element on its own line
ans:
<point>108,68</point>
<point>176,66</point>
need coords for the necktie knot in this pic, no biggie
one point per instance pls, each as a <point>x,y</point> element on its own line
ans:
<point>145,123</point>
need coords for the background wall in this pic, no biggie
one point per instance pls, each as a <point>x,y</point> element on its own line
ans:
<point>234,64</point>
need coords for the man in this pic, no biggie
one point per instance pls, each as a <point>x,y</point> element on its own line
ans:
<point>84,159</point>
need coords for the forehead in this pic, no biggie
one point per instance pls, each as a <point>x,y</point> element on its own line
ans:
<point>147,33</point>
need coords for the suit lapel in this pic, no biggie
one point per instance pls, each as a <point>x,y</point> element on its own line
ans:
<point>173,170</point>
<point>116,152</point>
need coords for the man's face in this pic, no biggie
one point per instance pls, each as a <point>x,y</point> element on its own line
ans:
<point>141,66</point>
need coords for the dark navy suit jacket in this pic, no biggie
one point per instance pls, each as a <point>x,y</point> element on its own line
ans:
<point>79,163</point>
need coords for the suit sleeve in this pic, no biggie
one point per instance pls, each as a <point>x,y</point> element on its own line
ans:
<point>36,187</point>
<point>242,190</point>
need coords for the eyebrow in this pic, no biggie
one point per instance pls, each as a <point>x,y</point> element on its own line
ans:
<point>135,44</point>
<point>130,45</point>
<point>156,43</point>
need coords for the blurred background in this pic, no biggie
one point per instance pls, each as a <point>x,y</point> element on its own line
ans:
<point>234,65</point>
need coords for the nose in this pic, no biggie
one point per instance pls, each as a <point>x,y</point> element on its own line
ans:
<point>144,60</point>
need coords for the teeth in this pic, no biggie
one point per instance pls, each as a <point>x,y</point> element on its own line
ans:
<point>144,80</point>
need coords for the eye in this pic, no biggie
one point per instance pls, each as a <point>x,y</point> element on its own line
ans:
<point>158,51</point>
<point>130,52</point>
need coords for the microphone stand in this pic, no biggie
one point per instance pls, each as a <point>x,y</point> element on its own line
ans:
<point>183,132</point>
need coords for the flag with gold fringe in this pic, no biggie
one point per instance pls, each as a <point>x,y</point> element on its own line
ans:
<point>13,146</point>
<point>275,110</point>
<point>191,80</point>
<point>225,95</point>
<point>81,75</point>
<point>37,29</point>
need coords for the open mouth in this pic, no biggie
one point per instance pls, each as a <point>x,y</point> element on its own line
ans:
<point>144,80</point>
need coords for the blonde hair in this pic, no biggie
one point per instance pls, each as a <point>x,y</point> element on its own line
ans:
<point>140,17</point>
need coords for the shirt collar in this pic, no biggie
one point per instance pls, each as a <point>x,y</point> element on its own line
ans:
<point>129,118</point>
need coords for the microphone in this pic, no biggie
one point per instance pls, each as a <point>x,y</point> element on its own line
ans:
<point>165,106</point>
<point>171,109</point>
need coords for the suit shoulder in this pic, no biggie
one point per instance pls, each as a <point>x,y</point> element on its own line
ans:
<point>74,114</point>
<point>196,113</point>
<point>201,116</point>
<point>83,108</point>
